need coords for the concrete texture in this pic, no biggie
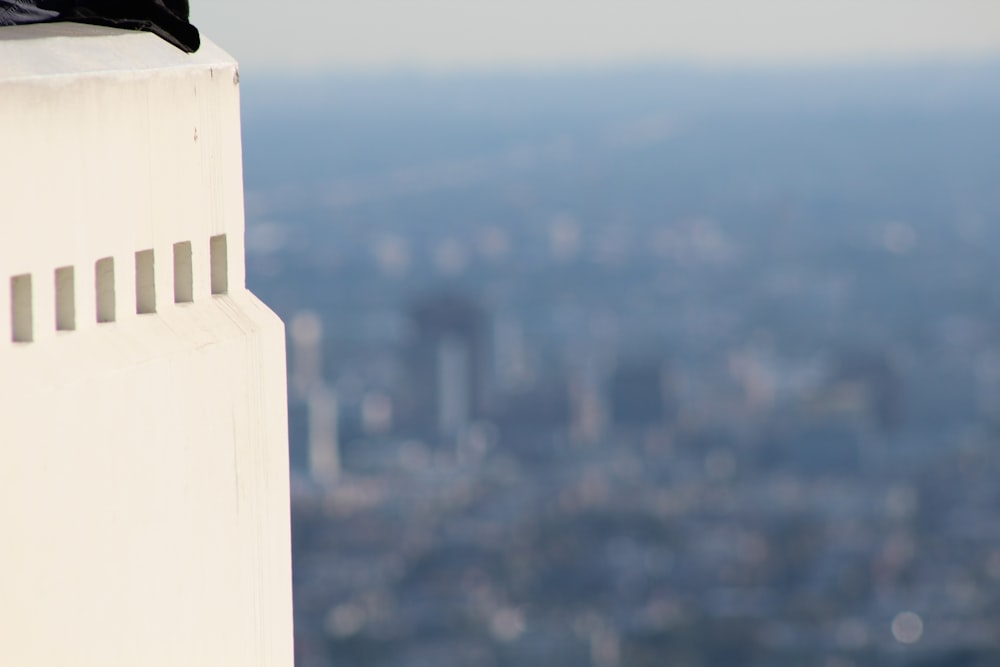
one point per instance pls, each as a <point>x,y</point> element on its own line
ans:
<point>143,434</point>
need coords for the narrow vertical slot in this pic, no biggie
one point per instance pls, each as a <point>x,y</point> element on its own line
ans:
<point>65,299</point>
<point>22,325</point>
<point>145,283</point>
<point>105,286</point>
<point>220,264</point>
<point>183,273</point>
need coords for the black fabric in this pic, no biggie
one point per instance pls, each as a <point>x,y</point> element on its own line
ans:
<point>167,18</point>
<point>18,12</point>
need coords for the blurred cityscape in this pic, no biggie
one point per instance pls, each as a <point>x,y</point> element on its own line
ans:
<point>638,367</point>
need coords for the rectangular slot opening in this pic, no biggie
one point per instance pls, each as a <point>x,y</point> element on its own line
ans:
<point>183,278</point>
<point>65,299</point>
<point>105,286</point>
<point>22,326</point>
<point>145,283</point>
<point>220,264</point>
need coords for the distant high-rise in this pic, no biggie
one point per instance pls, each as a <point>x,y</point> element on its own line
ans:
<point>510,362</point>
<point>588,412</point>
<point>311,396</point>
<point>306,334</point>
<point>376,413</point>
<point>449,369</point>
<point>324,445</point>
<point>637,393</point>
<point>876,375</point>
<point>454,389</point>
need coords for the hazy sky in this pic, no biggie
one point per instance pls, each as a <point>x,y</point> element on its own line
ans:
<point>470,34</point>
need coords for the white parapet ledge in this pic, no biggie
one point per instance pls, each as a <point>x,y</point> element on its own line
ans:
<point>76,49</point>
<point>115,143</point>
<point>144,514</point>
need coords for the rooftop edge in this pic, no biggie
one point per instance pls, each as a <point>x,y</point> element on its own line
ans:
<point>73,49</point>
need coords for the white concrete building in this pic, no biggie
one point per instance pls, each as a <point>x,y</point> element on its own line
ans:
<point>144,515</point>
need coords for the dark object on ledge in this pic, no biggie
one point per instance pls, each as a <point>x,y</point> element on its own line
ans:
<point>166,18</point>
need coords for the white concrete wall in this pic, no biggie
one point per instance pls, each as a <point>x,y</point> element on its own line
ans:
<point>143,462</point>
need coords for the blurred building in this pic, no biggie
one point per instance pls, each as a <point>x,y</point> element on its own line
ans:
<point>448,379</point>
<point>638,394</point>
<point>324,441</point>
<point>510,360</point>
<point>588,410</point>
<point>543,409</point>
<point>305,333</point>
<point>314,414</point>
<point>872,378</point>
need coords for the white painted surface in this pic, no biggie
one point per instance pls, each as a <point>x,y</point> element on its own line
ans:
<point>143,461</point>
